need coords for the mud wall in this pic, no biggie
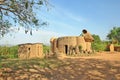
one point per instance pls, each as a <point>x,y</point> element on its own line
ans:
<point>81,42</point>
<point>53,42</point>
<point>65,42</point>
<point>28,51</point>
<point>69,44</point>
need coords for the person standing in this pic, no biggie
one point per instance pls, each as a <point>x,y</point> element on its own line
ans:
<point>88,39</point>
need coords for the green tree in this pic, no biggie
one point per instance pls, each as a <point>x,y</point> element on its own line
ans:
<point>96,38</point>
<point>13,12</point>
<point>114,35</point>
<point>98,45</point>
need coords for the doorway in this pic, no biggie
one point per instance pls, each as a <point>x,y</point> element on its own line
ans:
<point>66,49</point>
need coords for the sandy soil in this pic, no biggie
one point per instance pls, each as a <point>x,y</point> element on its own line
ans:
<point>103,66</point>
<point>109,56</point>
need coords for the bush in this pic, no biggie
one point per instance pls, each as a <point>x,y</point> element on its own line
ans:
<point>8,52</point>
<point>46,48</point>
<point>99,46</point>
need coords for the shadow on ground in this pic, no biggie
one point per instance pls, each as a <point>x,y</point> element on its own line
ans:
<point>54,69</point>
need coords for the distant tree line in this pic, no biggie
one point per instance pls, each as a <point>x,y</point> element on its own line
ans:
<point>112,37</point>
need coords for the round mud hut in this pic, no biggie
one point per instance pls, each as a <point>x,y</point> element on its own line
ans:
<point>67,44</point>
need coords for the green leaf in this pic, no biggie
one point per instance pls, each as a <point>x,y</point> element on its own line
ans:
<point>0,17</point>
<point>35,21</point>
<point>31,32</point>
<point>26,31</point>
<point>6,13</point>
<point>40,3</point>
<point>26,5</point>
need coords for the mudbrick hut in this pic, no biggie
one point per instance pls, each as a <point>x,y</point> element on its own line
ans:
<point>68,44</point>
<point>29,50</point>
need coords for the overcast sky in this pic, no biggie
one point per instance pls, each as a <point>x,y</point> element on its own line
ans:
<point>69,17</point>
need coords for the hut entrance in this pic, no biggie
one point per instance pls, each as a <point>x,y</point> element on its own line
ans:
<point>66,49</point>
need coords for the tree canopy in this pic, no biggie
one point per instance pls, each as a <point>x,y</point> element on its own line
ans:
<point>98,44</point>
<point>114,35</point>
<point>22,12</point>
<point>96,38</point>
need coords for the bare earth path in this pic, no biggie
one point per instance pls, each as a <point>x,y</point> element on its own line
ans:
<point>103,66</point>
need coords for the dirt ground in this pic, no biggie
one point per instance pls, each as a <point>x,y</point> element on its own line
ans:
<point>109,56</point>
<point>103,66</point>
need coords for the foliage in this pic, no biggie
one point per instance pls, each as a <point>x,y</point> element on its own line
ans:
<point>21,12</point>
<point>98,45</point>
<point>96,38</point>
<point>46,48</point>
<point>4,27</point>
<point>80,47</point>
<point>114,35</point>
<point>8,52</point>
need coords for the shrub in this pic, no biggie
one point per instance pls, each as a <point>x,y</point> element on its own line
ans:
<point>46,48</point>
<point>99,46</point>
<point>8,52</point>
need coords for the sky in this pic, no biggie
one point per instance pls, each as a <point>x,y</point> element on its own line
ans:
<point>69,18</point>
